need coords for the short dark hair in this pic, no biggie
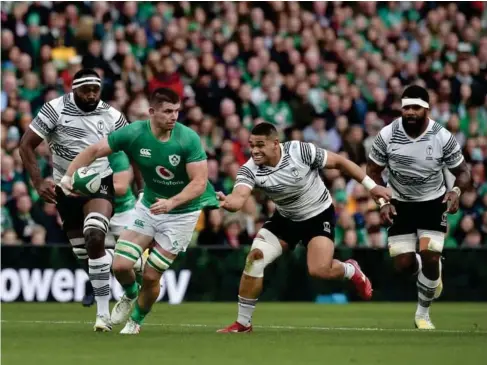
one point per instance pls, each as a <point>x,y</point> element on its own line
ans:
<point>416,92</point>
<point>163,95</point>
<point>264,129</point>
<point>85,72</point>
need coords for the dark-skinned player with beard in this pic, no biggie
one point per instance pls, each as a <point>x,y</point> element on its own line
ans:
<point>415,151</point>
<point>70,124</point>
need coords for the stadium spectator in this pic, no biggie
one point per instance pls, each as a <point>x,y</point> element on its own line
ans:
<point>331,74</point>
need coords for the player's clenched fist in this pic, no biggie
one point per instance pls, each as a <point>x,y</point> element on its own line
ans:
<point>162,206</point>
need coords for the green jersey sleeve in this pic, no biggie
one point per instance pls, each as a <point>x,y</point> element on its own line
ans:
<point>121,139</point>
<point>119,162</point>
<point>193,148</point>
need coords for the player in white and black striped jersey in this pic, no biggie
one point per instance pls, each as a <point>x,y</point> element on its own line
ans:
<point>70,124</point>
<point>288,174</point>
<point>415,150</point>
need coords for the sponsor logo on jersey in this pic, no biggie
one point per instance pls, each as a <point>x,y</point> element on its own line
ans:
<point>174,159</point>
<point>145,152</point>
<point>164,173</point>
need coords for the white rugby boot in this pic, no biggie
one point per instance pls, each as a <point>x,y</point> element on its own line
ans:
<point>122,309</point>
<point>131,328</point>
<point>102,324</point>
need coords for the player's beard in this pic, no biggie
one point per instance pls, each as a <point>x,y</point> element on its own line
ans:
<point>84,106</point>
<point>413,125</point>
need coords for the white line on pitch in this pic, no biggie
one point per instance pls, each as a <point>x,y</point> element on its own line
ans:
<point>309,328</point>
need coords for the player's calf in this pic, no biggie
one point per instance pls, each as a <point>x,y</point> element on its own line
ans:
<point>265,249</point>
<point>95,228</point>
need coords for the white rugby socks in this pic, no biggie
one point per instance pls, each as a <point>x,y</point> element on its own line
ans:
<point>426,293</point>
<point>349,270</point>
<point>246,308</point>
<point>99,273</point>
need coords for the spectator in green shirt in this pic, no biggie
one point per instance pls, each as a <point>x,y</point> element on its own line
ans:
<point>276,111</point>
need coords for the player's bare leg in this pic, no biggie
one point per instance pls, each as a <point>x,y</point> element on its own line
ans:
<point>95,228</point>
<point>322,265</point>
<point>428,278</point>
<point>159,261</point>
<point>265,249</point>
<point>128,252</point>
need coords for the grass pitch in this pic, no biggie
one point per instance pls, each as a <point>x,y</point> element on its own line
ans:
<point>284,333</point>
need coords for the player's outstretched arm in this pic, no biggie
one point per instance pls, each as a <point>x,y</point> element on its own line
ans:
<point>86,158</point>
<point>335,161</point>
<point>236,200</point>
<point>29,142</point>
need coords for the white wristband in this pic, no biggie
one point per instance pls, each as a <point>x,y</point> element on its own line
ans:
<point>368,183</point>
<point>382,202</point>
<point>457,190</point>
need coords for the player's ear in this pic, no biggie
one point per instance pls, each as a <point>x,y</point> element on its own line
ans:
<point>151,111</point>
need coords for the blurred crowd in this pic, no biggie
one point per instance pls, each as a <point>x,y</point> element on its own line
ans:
<point>330,73</point>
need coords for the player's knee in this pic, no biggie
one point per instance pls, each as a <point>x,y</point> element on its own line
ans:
<point>151,277</point>
<point>265,249</point>
<point>95,229</point>
<point>405,262</point>
<point>121,266</point>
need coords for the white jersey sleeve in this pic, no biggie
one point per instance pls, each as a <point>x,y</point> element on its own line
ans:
<point>120,120</point>
<point>246,175</point>
<point>378,152</point>
<point>452,153</point>
<point>309,154</point>
<point>47,119</point>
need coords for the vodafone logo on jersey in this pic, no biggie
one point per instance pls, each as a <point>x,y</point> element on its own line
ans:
<point>164,173</point>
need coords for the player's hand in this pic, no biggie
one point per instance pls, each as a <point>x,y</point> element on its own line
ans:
<point>452,199</point>
<point>222,198</point>
<point>67,186</point>
<point>380,192</point>
<point>162,206</point>
<point>387,214</point>
<point>47,191</point>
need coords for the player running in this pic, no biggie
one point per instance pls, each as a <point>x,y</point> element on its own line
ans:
<point>70,124</point>
<point>124,205</point>
<point>288,173</point>
<point>415,150</point>
<point>173,165</point>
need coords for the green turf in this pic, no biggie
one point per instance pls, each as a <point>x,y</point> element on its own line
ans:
<point>285,333</point>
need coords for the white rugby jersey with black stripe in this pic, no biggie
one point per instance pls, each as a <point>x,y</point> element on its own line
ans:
<point>415,165</point>
<point>294,184</point>
<point>69,130</point>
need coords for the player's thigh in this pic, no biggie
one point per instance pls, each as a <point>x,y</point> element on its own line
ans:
<point>432,226</point>
<point>430,240</point>
<point>284,229</point>
<point>71,212</point>
<point>320,253</point>
<point>101,203</point>
<point>135,238</point>
<point>402,237</point>
<point>175,231</point>
<point>120,221</point>
<point>318,237</point>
